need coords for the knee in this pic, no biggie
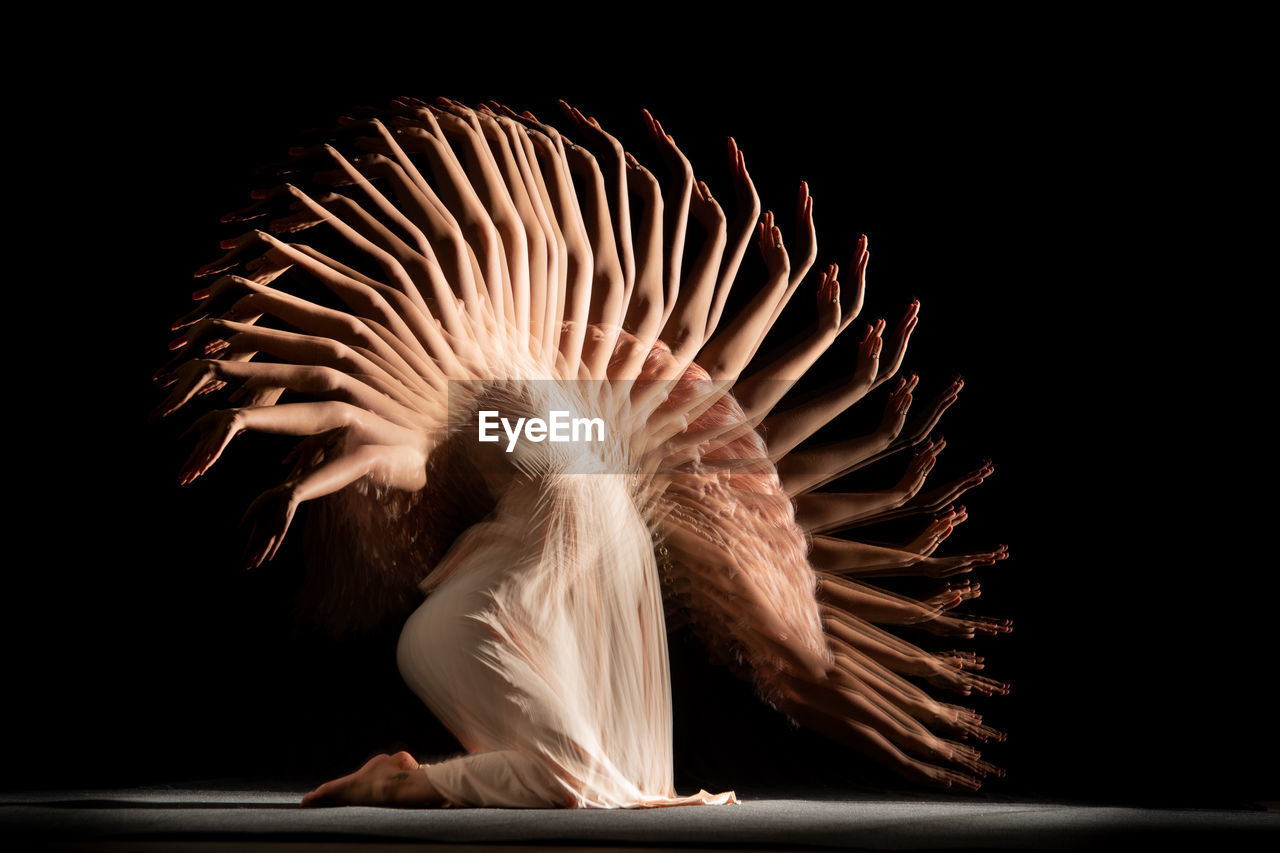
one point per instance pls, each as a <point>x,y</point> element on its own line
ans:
<point>413,650</point>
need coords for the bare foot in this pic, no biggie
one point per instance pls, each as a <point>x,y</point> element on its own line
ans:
<point>384,780</point>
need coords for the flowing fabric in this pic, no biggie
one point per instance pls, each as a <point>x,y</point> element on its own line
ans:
<point>542,645</point>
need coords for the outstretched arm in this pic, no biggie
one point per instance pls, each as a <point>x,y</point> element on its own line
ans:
<point>822,511</point>
<point>806,468</point>
<point>726,354</point>
<point>784,430</point>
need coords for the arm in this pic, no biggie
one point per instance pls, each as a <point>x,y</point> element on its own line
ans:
<point>803,470</point>
<point>819,512</point>
<point>271,515</point>
<point>787,429</point>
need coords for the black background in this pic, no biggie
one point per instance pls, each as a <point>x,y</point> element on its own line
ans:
<point>1018,199</point>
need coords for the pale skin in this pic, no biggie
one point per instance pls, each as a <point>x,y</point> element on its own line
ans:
<point>819,690</point>
<point>472,223</point>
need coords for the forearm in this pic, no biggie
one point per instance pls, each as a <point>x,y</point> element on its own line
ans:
<point>806,469</point>
<point>871,604</point>
<point>760,392</point>
<point>315,418</point>
<point>822,511</point>
<point>787,429</point>
<point>395,466</point>
<point>727,353</point>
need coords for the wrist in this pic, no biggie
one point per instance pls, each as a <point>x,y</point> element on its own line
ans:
<point>291,491</point>
<point>885,434</point>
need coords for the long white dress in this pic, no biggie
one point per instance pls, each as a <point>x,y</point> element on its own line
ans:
<point>542,647</point>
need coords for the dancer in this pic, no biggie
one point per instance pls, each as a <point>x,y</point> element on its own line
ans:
<point>471,267</point>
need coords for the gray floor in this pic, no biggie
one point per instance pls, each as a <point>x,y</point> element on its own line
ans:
<point>207,818</point>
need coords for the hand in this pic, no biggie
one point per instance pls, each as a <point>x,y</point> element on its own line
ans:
<point>961,659</point>
<point>706,209</point>
<point>215,431</point>
<point>901,336</point>
<point>952,595</point>
<point>806,242</point>
<point>192,378</point>
<point>828,305</point>
<point>895,410</point>
<point>943,567</point>
<point>921,464</point>
<point>743,188</point>
<point>963,681</point>
<point>677,164</point>
<point>966,721</point>
<point>609,148</point>
<point>942,526</point>
<point>938,777</point>
<point>269,517</point>
<point>772,251</point>
<point>868,363</point>
<point>947,493</point>
<point>214,299</point>
<point>940,405</point>
<point>861,256</point>
<point>207,336</point>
